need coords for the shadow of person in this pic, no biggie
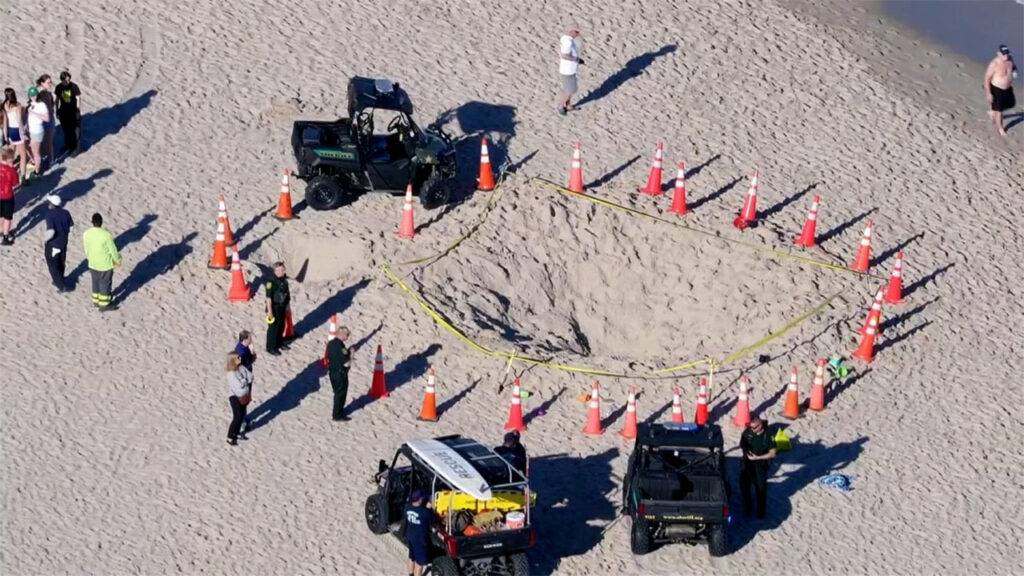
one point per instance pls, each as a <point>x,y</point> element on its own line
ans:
<point>155,264</point>
<point>791,472</point>
<point>572,493</point>
<point>634,67</point>
<point>122,240</point>
<point>336,304</point>
<point>110,120</point>
<point>288,397</point>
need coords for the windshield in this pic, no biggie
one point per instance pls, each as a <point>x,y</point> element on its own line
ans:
<point>675,458</point>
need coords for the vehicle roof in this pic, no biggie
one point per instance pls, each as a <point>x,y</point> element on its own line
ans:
<point>709,436</point>
<point>377,93</point>
<point>466,464</point>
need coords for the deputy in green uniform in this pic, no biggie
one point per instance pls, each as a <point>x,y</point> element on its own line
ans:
<point>338,359</point>
<point>278,299</point>
<point>758,448</point>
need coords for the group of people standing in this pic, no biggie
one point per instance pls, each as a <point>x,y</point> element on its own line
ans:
<point>29,128</point>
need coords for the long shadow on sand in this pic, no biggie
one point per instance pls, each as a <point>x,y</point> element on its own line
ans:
<point>336,304</point>
<point>633,68</point>
<point>102,123</point>
<point>288,397</point>
<point>812,461</point>
<point>716,194</point>
<point>122,241</point>
<point>155,264</point>
<point>573,492</point>
<point>611,174</point>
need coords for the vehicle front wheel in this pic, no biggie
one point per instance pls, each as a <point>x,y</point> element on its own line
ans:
<point>374,511</point>
<point>444,566</point>
<point>520,564</point>
<point>435,191</point>
<point>324,193</point>
<point>718,541</point>
<point>640,541</point>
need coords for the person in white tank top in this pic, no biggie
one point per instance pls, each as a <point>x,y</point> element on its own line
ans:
<point>38,115</point>
<point>14,134</point>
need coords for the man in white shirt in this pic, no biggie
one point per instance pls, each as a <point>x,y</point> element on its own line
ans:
<point>569,61</point>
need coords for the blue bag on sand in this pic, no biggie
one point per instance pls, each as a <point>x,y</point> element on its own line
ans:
<point>838,481</point>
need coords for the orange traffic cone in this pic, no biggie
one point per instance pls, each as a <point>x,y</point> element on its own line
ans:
<point>866,350</point>
<point>874,312</point>
<point>679,195</point>
<point>576,171</point>
<point>428,412</point>
<point>677,407</point>
<point>894,293</point>
<point>407,229</point>
<point>284,201</point>
<point>239,291</point>
<point>807,235</point>
<point>486,181</point>
<point>289,327</point>
<point>818,387</point>
<point>222,216</point>
<point>379,388</point>
<point>593,426</point>
<point>629,428</point>
<point>748,215</point>
<point>791,409</point>
<point>515,409</point>
<point>220,251</point>
<point>332,333</point>
<point>653,187</point>
<point>742,416</point>
<point>700,416</point>
<point>863,260</point>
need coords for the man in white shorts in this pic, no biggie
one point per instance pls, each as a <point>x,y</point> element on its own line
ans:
<point>569,61</point>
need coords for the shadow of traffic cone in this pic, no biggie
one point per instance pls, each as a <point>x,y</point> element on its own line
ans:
<point>576,170</point>
<point>818,388</point>
<point>407,229</point>
<point>593,425</point>
<point>653,187</point>
<point>486,181</point>
<point>219,259</point>
<point>289,326</point>
<point>807,235</point>
<point>863,260</point>
<point>284,201</point>
<point>428,412</point>
<point>629,427</point>
<point>239,291</point>
<point>748,214</point>
<point>679,195</point>
<point>677,407</point>
<point>874,312</point>
<point>515,409</point>
<point>791,409</point>
<point>379,388</point>
<point>866,351</point>
<point>222,216</point>
<point>700,416</point>
<point>894,293</point>
<point>742,416</point>
<point>332,333</point>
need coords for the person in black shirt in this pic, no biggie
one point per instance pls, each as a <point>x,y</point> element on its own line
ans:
<point>513,451</point>
<point>45,85</point>
<point>55,248</point>
<point>338,358</point>
<point>69,112</point>
<point>418,518</point>
<point>278,299</point>
<point>758,450</point>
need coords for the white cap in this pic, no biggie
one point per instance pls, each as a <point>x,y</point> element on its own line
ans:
<point>53,199</point>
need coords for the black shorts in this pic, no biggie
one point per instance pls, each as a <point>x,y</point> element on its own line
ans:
<point>419,555</point>
<point>1002,99</point>
<point>7,209</point>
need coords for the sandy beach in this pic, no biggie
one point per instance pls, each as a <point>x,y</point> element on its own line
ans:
<point>112,425</point>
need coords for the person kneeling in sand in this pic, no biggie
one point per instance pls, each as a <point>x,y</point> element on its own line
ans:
<point>999,86</point>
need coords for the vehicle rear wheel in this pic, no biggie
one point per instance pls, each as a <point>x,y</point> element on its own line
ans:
<point>374,512</point>
<point>324,193</point>
<point>520,564</point>
<point>434,191</point>
<point>444,566</point>
<point>718,541</point>
<point>640,541</point>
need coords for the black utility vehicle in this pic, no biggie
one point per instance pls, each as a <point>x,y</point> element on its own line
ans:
<point>675,488</point>
<point>343,158</point>
<point>481,505</point>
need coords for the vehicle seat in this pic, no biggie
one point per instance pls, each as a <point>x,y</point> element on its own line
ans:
<point>380,149</point>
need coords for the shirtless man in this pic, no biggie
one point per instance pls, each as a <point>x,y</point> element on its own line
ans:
<point>999,86</point>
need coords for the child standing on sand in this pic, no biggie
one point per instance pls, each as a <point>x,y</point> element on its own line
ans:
<point>8,180</point>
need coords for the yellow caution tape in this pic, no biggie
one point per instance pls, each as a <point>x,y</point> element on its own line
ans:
<point>751,245</point>
<point>472,229</point>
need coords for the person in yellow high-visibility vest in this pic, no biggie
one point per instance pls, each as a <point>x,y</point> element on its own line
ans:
<point>101,252</point>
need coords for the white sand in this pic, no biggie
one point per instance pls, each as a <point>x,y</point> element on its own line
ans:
<point>113,453</point>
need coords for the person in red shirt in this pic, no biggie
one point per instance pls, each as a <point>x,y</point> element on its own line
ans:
<point>8,180</point>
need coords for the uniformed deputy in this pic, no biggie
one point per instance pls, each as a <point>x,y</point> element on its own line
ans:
<point>338,360</point>
<point>758,450</point>
<point>278,299</point>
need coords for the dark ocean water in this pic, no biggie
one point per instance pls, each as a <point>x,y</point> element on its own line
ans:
<point>974,28</point>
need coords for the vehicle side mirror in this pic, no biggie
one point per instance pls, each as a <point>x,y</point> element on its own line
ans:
<point>382,466</point>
